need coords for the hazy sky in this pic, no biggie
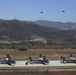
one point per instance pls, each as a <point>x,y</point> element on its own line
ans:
<point>30,10</point>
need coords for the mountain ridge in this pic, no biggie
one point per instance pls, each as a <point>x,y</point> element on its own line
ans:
<point>58,25</point>
<point>24,30</point>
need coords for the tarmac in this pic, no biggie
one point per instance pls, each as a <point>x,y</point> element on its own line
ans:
<point>52,63</point>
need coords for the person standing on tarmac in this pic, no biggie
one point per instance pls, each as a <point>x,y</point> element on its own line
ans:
<point>8,59</point>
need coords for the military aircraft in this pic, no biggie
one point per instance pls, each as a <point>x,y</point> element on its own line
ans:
<point>70,60</point>
<point>41,12</point>
<point>63,11</point>
<point>40,60</point>
<point>7,60</point>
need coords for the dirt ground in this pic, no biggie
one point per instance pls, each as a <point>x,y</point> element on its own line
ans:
<point>51,54</point>
<point>37,71</point>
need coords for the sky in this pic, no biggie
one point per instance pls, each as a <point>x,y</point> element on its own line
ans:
<point>29,10</point>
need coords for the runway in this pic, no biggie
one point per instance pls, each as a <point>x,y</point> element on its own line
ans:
<point>52,63</point>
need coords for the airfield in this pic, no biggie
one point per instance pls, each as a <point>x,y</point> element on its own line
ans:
<point>53,68</point>
<point>52,64</point>
<point>51,54</point>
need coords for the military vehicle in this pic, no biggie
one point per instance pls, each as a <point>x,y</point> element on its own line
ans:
<point>22,49</point>
<point>40,60</point>
<point>7,60</point>
<point>70,60</point>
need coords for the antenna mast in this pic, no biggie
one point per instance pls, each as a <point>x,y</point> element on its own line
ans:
<point>15,16</point>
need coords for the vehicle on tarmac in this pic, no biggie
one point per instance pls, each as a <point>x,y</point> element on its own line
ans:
<point>70,60</point>
<point>40,60</point>
<point>7,60</point>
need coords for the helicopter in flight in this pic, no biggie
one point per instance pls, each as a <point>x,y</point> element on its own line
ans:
<point>41,12</point>
<point>63,11</point>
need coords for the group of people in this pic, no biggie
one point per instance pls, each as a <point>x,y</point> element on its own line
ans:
<point>71,59</point>
<point>40,58</point>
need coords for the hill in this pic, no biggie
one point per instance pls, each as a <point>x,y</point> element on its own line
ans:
<point>59,25</point>
<point>17,30</point>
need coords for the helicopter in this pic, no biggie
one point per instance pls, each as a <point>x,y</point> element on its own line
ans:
<point>41,12</point>
<point>63,11</point>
